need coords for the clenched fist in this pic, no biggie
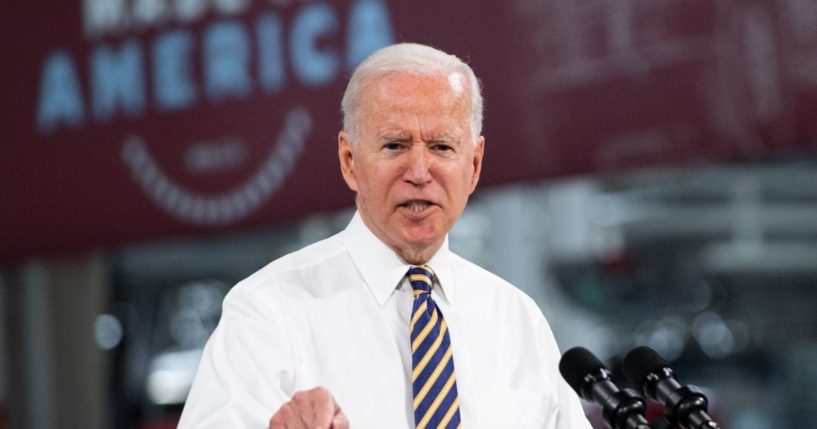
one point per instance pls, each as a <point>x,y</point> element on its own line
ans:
<point>310,409</point>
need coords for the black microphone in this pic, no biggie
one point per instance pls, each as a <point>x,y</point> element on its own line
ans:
<point>685,406</point>
<point>622,409</point>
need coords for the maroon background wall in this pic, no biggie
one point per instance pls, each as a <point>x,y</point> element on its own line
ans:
<point>131,120</point>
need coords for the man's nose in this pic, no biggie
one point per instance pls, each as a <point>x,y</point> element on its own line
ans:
<point>418,170</point>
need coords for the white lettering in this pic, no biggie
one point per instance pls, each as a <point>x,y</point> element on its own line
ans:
<point>115,17</point>
<point>213,156</point>
<point>103,16</point>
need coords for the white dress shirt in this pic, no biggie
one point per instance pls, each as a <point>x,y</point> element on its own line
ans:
<point>336,314</point>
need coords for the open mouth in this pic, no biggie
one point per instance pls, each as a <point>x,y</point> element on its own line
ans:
<point>416,206</point>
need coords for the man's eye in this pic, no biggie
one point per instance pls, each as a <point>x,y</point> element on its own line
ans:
<point>442,147</point>
<point>392,146</point>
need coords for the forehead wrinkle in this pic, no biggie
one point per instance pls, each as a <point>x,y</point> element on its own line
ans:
<point>392,133</point>
<point>435,132</point>
<point>387,103</point>
<point>455,81</point>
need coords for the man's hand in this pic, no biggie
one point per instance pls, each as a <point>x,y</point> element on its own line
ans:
<point>310,409</point>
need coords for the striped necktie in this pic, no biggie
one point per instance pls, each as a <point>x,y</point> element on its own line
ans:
<point>436,404</point>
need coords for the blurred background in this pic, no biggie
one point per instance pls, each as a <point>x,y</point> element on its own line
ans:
<point>649,180</point>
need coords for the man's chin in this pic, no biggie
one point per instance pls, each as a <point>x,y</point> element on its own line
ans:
<point>423,242</point>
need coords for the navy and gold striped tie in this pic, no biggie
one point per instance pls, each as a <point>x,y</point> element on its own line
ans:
<point>436,404</point>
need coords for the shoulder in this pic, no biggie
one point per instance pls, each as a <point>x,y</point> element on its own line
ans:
<point>296,273</point>
<point>476,281</point>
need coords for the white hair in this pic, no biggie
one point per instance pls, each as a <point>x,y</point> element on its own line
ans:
<point>413,59</point>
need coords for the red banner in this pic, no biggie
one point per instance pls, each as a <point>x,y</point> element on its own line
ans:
<point>136,119</point>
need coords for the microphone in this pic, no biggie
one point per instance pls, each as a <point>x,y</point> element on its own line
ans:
<point>685,406</point>
<point>622,409</point>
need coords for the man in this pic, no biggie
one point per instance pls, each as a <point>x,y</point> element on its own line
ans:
<point>381,326</point>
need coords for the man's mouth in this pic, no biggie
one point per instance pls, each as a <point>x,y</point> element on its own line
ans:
<point>416,205</point>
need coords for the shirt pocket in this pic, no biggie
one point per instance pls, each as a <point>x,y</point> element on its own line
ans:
<point>514,408</point>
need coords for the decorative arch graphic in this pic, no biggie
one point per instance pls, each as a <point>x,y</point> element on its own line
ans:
<point>228,207</point>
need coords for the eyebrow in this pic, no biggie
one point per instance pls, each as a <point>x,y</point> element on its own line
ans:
<point>403,136</point>
<point>397,134</point>
<point>394,139</point>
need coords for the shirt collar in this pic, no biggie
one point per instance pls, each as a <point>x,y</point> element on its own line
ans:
<point>383,270</point>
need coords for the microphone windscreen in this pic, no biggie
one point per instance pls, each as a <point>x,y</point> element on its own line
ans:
<point>575,364</point>
<point>640,362</point>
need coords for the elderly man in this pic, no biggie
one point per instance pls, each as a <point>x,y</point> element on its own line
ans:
<point>381,326</point>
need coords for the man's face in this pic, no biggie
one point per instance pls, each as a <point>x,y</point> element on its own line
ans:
<point>413,164</point>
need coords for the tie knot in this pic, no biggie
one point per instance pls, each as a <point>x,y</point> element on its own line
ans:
<point>421,279</point>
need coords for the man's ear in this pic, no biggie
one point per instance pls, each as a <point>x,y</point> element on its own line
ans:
<point>347,160</point>
<point>479,151</point>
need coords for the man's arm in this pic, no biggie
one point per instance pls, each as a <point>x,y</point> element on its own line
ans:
<point>245,373</point>
<point>571,414</point>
